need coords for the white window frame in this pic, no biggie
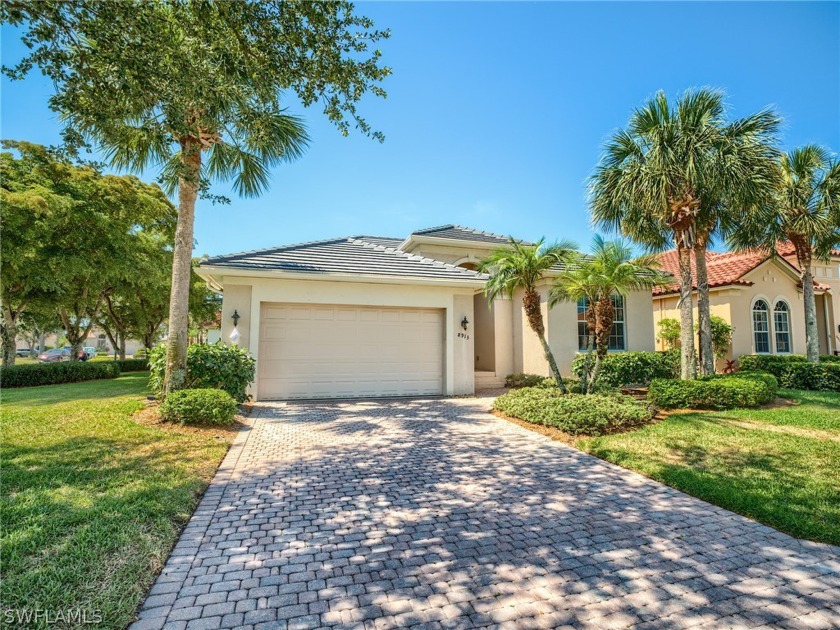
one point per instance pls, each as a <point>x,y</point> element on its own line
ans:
<point>768,332</point>
<point>622,321</point>
<point>789,331</point>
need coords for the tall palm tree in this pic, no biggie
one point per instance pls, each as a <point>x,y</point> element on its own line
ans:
<point>610,270</point>
<point>665,178</point>
<point>806,212</point>
<point>521,266</point>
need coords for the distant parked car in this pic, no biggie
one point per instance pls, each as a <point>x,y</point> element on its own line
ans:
<point>82,356</point>
<point>54,356</point>
<point>22,352</point>
<point>90,352</point>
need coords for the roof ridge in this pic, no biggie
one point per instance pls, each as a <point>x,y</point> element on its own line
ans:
<point>223,257</point>
<point>435,228</point>
<point>483,232</point>
<point>465,228</point>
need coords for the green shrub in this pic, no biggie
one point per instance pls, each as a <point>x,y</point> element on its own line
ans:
<point>633,368</point>
<point>528,380</point>
<point>576,414</point>
<point>716,392</point>
<point>768,379</point>
<point>824,377</point>
<point>794,372</point>
<point>133,365</point>
<point>55,373</point>
<point>669,332</point>
<point>218,366</point>
<point>140,354</point>
<point>199,406</point>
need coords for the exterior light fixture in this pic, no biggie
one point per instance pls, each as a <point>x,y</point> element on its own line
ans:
<point>234,335</point>
<point>465,322</point>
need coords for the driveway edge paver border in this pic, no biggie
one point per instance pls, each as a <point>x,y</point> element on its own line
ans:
<point>180,559</point>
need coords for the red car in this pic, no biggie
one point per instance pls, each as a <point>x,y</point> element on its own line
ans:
<point>54,356</point>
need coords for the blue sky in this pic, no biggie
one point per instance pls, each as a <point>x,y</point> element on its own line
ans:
<point>497,111</point>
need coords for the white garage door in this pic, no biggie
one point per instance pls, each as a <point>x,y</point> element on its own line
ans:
<point>335,351</point>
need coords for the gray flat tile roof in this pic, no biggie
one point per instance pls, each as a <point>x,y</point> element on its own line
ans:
<point>461,233</point>
<point>362,255</point>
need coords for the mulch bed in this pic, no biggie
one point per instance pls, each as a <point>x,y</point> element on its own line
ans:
<point>150,417</point>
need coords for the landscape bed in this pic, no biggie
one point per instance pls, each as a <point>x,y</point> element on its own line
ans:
<point>777,464</point>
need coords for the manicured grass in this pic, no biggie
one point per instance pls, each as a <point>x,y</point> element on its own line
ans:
<point>92,500</point>
<point>780,466</point>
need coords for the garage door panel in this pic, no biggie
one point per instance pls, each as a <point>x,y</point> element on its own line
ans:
<point>316,351</point>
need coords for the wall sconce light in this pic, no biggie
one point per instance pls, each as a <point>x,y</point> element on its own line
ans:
<point>234,335</point>
<point>465,322</point>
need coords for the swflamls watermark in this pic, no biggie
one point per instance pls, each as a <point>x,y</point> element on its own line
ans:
<point>73,616</point>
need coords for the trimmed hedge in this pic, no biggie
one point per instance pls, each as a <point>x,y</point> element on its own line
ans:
<point>218,366</point>
<point>522,379</point>
<point>768,379</point>
<point>716,392</point>
<point>576,414</point>
<point>633,368</point>
<point>794,372</point>
<point>56,373</point>
<point>199,406</point>
<point>133,365</point>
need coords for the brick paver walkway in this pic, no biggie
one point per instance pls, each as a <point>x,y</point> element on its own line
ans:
<point>437,514</point>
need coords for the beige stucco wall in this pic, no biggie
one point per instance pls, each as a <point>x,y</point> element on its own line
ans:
<point>237,297</point>
<point>503,331</point>
<point>772,282</point>
<point>561,332</point>
<point>828,272</point>
<point>245,294</point>
<point>456,253</point>
<point>485,338</point>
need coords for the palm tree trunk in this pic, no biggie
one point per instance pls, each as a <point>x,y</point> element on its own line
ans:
<point>704,316</point>
<point>587,379</point>
<point>533,311</point>
<point>688,367</point>
<point>176,352</point>
<point>812,342</point>
<point>604,317</point>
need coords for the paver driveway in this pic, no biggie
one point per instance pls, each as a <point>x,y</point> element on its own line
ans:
<point>435,513</point>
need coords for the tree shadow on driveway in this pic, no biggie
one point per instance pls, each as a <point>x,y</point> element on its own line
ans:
<point>435,513</point>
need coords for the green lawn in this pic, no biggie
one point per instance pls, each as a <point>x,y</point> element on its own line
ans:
<point>92,501</point>
<point>779,466</point>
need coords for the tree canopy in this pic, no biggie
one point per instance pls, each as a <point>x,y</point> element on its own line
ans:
<point>71,234</point>
<point>164,83</point>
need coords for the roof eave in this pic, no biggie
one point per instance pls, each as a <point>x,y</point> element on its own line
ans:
<point>215,272</point>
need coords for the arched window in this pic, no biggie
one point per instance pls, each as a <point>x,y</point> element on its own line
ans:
<point>617,337</point>
<point>761,326</point>
<point>781,326</point>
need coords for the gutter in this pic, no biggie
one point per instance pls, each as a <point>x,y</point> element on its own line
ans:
<point>211,272</point>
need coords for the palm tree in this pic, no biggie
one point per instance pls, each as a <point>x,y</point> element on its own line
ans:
<point>805,212</point>
<point>522,266</point>
<point>610,270</point>
<point>667,178</point>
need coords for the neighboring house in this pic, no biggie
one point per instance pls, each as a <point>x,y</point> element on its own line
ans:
<point>761,296</point>
<point>95,339</point>
<point>372,316</point>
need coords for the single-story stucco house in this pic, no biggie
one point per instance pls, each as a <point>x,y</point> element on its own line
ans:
<point>371,316</point>
<point>760,294</point>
